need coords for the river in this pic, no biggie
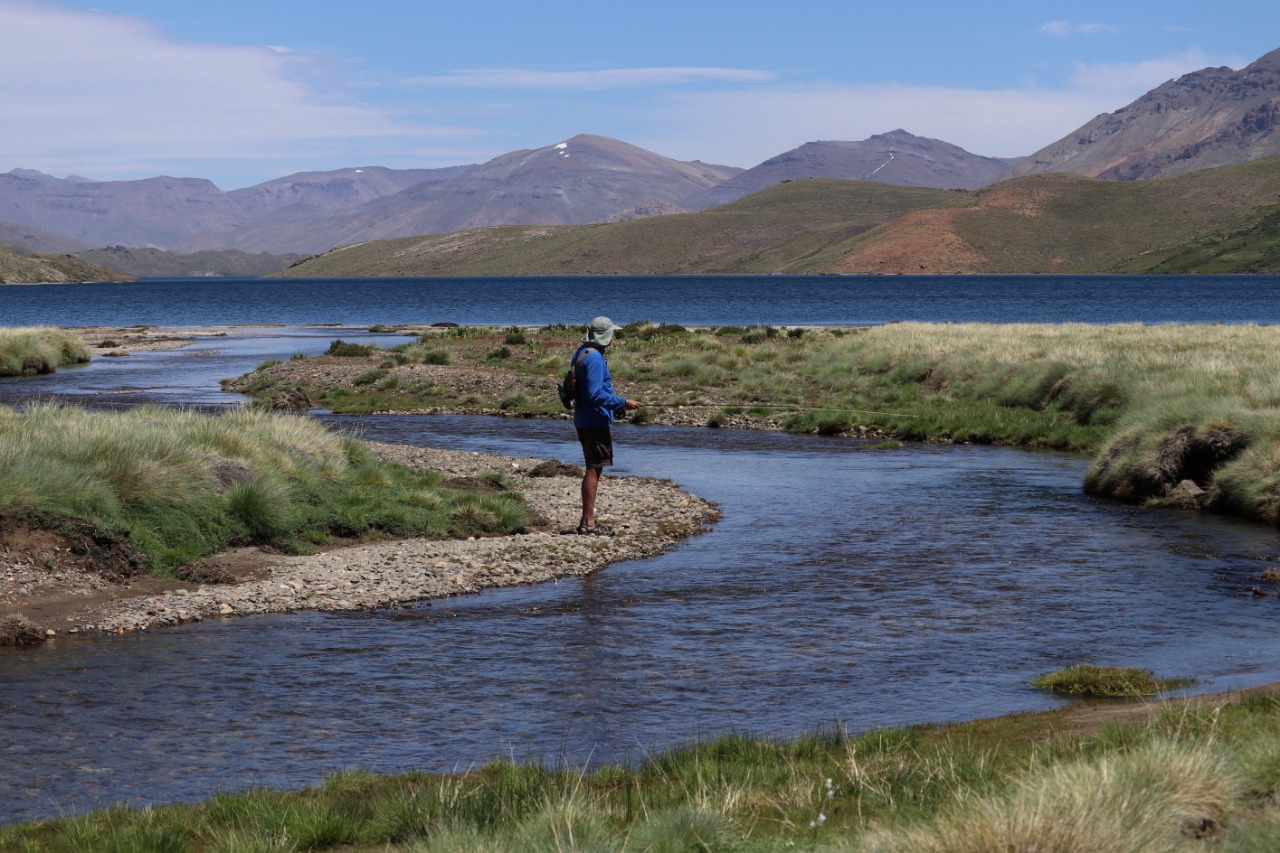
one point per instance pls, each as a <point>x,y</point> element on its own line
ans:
<point>861,587</point>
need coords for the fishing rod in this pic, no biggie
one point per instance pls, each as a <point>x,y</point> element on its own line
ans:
<point>768,406</point>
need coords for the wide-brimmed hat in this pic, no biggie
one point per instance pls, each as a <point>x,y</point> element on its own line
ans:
<point>600,332</point>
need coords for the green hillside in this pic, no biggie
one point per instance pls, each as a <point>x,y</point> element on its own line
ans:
<point>777,230</point>
<point>1219,220</point>
<point>41,269</point>
<point>1069,223</point>
<point>157,263</point>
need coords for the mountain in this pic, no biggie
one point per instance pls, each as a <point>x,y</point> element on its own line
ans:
<point>335,190</point>
<point>1225,219</point>
<point>896,157</point>
<point>25,240</point>
<point>155,211</point>
<point>171,212</point>
<point>1203,119</point>
<point>583,179</point>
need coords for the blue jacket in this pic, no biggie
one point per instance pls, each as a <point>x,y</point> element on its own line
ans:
<point>596,401</point>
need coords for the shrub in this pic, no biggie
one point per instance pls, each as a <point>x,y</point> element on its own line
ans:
<point>342,349</point>
<point>370,376</point>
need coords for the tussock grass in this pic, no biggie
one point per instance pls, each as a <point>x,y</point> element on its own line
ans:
<point>179,485</point>
<point>1107,681</point>
<point>1192,776</point>
<point>39,349</point>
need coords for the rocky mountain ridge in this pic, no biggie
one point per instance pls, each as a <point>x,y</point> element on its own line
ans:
<point>1201,120</point>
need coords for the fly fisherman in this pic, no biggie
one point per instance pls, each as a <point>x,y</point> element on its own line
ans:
<point>593,414</point>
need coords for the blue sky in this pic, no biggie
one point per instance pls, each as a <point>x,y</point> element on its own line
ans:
<point>241,91</point>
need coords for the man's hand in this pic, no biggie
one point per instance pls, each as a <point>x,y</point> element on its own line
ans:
<point>632,405</point>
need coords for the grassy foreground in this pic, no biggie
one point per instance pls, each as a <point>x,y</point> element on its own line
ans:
<point>1190,777</point>
<point>161,488</point>
<point>39,349</point>
<point>1185,415</point>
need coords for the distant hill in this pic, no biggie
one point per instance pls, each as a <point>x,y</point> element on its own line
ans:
<point>1055,223</point>
<point>777,230</point>
<point>897,157</point>
<point>340,189</point>
<point>15,269</point>
<point>583,179</point>
<point>155,211</point>
<point>25,240</point>
<point>179,212</point>
<point>1207,118</point>
<point>157,263</point>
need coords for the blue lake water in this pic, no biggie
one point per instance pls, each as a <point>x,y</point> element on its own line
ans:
<point>690,300</point>
<point>871,588</point>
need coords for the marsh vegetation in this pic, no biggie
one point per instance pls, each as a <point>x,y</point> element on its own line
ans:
<point>1175,415</point>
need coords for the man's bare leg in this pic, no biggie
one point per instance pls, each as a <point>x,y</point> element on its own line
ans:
<point>590,485</point>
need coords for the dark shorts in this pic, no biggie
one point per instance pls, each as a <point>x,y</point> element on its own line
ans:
<point>597,446</point>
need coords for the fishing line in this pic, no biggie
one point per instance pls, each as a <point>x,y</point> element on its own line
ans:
<point>767,406</point>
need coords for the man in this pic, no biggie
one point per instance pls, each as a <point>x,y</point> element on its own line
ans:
<point>593,415</point>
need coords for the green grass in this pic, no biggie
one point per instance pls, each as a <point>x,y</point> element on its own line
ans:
<point>175,486</point>
<point>1192,777</point>
<point>1115,682</point>
<point>39,349</point>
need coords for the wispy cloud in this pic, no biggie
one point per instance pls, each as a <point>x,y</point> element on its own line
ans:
<point>606,78</point>
<point>745,127</point>
<point>105,95</point>
<point>1066,28</point>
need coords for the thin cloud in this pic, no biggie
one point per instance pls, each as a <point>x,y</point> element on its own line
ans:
<point>746,127</point>
<point>1066,28</point>
<point>608,78</point>
<point>104,94</point>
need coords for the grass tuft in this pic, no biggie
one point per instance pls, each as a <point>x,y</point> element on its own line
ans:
<point>1107,681</point>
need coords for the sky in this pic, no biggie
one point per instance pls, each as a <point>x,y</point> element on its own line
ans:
<point>243,91</point>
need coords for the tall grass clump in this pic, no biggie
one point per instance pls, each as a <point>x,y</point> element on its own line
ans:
<point>177,485</point>
<point>39,349</point>
<point>1107,681</point>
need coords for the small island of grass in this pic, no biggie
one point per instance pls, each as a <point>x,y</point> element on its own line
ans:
<point>1116,682</point>
<point>39,349</point>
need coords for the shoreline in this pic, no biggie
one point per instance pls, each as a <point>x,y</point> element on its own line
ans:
<point>648,516</point>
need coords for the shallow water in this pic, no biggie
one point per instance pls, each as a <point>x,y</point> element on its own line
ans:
<point>186,376</point>
<point>868,587</point>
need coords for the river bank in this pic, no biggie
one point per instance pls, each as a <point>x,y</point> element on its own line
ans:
<point>41,587</point>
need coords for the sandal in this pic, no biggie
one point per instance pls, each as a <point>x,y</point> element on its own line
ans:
<point>594,530</point>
